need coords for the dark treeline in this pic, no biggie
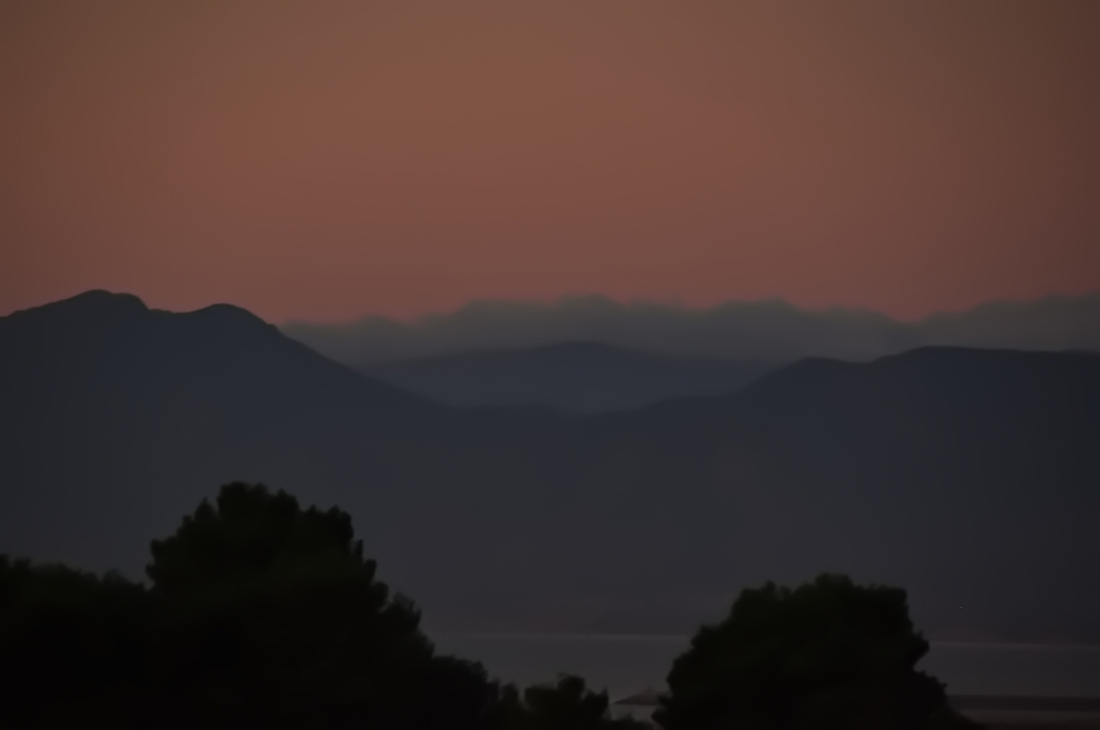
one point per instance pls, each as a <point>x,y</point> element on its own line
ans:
<point>257,614</point>
<point>260,614</point>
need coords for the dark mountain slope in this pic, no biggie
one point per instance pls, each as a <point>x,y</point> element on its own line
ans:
<point>971,477</point>
<point>114,341</point>
<point>579,377</point>
<point>115,419</point>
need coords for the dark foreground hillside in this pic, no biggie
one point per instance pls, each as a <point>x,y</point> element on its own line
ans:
<point>971,477</point>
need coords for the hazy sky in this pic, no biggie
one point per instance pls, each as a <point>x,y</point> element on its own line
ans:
<point>322,160</point>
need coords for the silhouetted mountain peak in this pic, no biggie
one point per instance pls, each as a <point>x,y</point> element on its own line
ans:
<point>102,298</point>
<point>100,304</point>
<point>101,307</point>
<point>96,303</point>
<point>229,324</point>
<point>228,315</point>
<point>116,339</point>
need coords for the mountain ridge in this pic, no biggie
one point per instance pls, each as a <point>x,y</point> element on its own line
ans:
<point>967,476</point>
<point>573,377</point>
<point>769,330</point>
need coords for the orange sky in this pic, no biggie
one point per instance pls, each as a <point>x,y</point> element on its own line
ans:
<point>321,160</point>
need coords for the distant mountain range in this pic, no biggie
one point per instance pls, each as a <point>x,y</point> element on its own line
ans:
<point>765,331</point>
<point>575,377</point>
<point>968,476</point>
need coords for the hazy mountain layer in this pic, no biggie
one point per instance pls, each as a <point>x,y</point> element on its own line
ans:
<point>577,377</point>
<point>771,331</point>
<point>970,477</point>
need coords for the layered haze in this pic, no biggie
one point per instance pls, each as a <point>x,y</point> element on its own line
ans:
<point>774,331</point>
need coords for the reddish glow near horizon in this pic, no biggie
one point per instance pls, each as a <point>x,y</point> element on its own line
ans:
<point>321,160</point>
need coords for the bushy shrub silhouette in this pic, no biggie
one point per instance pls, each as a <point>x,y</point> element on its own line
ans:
<point>261,614</point>
<point>258,614</point>
<point>72,646</point>
<point>272,616</point>
<point>828,654</point>
<point>567,704</point>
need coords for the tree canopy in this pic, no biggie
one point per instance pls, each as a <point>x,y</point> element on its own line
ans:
<point>272,614</point>
<point>828,654</point>
<point>72,645</point>
<point>258,614</point>
<point>567,704</point>
<point>261,614</point>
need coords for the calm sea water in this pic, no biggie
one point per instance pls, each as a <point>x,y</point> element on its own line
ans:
<point>627,664</point>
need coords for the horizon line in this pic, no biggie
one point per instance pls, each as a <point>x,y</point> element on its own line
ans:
<point>565,300</point>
